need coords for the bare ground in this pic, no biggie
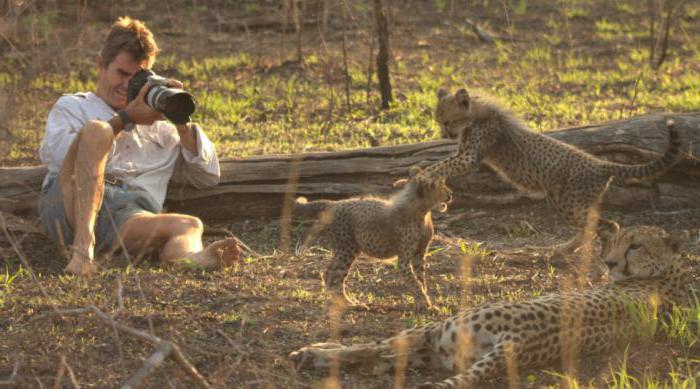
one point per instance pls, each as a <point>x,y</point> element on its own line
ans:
<point>238,325</point>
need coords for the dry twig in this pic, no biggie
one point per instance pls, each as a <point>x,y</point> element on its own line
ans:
<point>58,381</point>
<point>174,351</point>
<point>23,259</point>
<point>10,381</point>
<point>149,365</point>
<point>71,374</point>
<point>236,345</point>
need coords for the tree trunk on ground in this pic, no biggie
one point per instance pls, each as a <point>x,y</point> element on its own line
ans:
<point>383,54</point>
<point>258,186</point>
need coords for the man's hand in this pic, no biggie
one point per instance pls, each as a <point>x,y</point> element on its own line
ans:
<point>188,137</point>
<point>139,112</point>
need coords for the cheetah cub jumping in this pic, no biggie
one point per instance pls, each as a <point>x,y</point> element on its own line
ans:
<point>572,181</point>
<point>495,338</point>
<point>400,225</point>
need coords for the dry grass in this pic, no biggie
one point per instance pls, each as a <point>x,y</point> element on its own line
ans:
<point>237,326</point>
<point>573,63</point>
<point>568,63</point>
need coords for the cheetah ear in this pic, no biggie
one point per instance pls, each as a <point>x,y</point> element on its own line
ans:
<point>607,233</point>
<point>462,98</point>
<point>414,171</point>
<point>678,242</point>
<point>442,92</point>
<point>441,207</point>
<point>608,230</point>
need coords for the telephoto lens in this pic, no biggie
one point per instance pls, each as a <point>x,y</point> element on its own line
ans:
<point>176,104</point>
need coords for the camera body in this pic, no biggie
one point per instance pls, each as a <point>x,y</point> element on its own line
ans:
<point>176,104</point>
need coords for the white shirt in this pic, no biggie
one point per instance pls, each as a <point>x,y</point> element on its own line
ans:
<point>144,158</point>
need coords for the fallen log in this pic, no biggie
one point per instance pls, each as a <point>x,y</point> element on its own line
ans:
<point>256,186</point>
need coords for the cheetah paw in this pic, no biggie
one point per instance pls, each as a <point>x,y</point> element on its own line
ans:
<point>343,304</point>
<point>314,356</point>
<point>427,385</point>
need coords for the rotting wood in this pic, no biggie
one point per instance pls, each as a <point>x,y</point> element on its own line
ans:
<point>255,187</point>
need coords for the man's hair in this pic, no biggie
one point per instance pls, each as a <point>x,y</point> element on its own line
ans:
<point>132,36</point>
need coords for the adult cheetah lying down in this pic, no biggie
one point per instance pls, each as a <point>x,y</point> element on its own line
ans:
<point>488,340</point>
<point>571,180</point>
<point>400,225</point>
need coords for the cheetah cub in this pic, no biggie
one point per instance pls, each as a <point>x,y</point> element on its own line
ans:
<point>572,181</point>
<point>495,338</point>
<point>400,225</point>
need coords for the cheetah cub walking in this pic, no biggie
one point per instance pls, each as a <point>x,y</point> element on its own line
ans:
<point>572,181</point>
<point>400,225</point>
<point>495,338</point>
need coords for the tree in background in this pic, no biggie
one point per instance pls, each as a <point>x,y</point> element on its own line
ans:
<point>658,43</point>
<point>383,54</point>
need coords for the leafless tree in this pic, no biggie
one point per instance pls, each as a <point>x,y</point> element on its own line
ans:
<point>297,14</point>
<point>383,54</point>
<point>658,36</point>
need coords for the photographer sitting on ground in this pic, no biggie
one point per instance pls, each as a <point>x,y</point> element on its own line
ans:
<point>110,162</point>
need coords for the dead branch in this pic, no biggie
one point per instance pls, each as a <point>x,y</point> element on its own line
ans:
<point>24,261</point>
<point>149,365</point>
<point>119,288</point>
<point>236,345</point>
<point>71,374</point>
<point>175,353</point>
<point>120,305</point>
<point>256,187</point>
<point>58,381</point>
<point>11,379</point>
<point>260,23</point>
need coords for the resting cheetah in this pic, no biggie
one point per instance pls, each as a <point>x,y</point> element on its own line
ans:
<point>382,228</point>
<point>487,340</point>
<point>572,181</point>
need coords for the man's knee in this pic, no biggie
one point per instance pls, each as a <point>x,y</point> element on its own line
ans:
<point>186,224</point>
<point>97,136</point>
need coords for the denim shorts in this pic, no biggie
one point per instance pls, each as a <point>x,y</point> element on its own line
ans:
<point>118,205</point>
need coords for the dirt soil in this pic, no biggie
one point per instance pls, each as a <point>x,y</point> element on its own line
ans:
<point>237,326</point>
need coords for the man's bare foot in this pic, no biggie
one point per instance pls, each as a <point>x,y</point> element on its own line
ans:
<point>81,265</point>
<point>218,255</point>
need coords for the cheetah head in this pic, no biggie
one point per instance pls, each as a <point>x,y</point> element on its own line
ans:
<point>641,251</point>
<point>428,192</point>
<point>452,112</point>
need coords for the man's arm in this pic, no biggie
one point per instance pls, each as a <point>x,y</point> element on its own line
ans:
<point>188,137</point>
<point>199,164</point>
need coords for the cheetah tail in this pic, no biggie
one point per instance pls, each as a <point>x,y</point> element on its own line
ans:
<point>310,209</point>
<point>672,155</point>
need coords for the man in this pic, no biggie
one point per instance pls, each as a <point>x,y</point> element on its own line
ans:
<point>110,162</point>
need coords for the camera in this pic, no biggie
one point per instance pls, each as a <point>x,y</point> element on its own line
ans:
<point>176,104</point>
